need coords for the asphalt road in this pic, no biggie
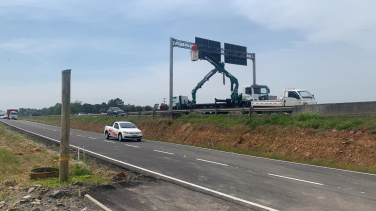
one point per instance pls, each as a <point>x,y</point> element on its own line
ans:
<point>259,183</point>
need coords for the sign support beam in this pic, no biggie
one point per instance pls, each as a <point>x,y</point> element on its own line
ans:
<point>222,51</point>
<point>171,73</point>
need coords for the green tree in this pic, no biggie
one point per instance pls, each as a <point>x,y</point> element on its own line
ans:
<point>139,108</point>
<point>76,107</point>
<point>57,109</point>
<point>148,108</point>
<point>115,102</point>
<point>88,108</point>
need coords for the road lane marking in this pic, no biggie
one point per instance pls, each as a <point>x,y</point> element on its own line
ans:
<point>211,162</point>
<point>54,130</point>
<point>159,174</point>
<point>92,138</point>
<point>262,158</point>
<point>164,152</point>
<point>108,141</point>
<point>131,145</point>
<point>295,179</point>
<point>79,135</point>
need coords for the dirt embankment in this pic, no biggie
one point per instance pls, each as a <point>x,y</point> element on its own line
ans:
<point>338,148</point>
<point>341,147</point>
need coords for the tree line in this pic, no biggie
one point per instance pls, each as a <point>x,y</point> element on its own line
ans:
<point>80,107</point>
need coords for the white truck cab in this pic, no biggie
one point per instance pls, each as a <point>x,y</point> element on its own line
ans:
<point>259,97</point>
<point>291,97</point>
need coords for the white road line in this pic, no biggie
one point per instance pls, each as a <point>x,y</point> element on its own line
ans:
<point>108,141</point>
<point>54,130</point>
<point>79,135</point>
<point>164,152</point>
<point>295,179</point>
<point>92,138</point>
<point>161,175</point>
<point>211,162</point>
<point>131,145</point>
<point>263,158</point>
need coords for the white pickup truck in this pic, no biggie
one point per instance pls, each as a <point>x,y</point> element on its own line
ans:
<point>290,97</point>
<point>123,130</point>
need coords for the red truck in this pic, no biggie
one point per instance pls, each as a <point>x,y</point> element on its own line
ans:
<point>12,114</point>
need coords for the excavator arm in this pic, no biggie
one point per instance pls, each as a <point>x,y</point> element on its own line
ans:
<point>199,85</point>
<point>219,67</point>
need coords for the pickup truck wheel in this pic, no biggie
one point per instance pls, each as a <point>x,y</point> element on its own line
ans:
<point>120,137</point>
<point>107,135</point>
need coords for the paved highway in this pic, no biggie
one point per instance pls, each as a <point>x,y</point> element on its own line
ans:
<point>260,183</point>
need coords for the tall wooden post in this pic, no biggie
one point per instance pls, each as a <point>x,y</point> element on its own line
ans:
<point>65,126</point>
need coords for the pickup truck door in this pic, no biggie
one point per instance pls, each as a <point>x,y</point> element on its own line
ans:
<point>115,130</point>
<point>292,98</point>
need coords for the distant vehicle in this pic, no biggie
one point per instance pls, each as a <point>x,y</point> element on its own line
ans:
<point>12,114</point>
<point>103,113</point>
<point>3,116</point>
<point>114,111</point>
<point>123,130</point>
<point>81,114</point>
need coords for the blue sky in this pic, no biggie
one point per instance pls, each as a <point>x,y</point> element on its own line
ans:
<point>121,48</point>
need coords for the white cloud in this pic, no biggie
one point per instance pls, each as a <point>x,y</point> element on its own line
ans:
<point>47,45</point>
<point>349,21</point>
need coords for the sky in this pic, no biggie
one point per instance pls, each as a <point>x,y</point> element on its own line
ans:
<point>120,49</point>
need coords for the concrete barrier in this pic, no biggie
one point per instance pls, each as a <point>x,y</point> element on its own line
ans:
<point>338,109</point>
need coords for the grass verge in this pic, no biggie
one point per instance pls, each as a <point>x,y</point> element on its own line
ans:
<point>19,155</point>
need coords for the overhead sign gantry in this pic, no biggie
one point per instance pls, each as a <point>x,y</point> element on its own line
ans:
<point>234,54</point>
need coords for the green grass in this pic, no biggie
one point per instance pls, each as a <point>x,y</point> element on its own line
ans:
<point>17,167</point>
<point>78,171</point>
<point>302,120</point>
<point>9,162</point>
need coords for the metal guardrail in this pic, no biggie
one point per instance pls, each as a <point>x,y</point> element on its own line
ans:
<point>287,109</point>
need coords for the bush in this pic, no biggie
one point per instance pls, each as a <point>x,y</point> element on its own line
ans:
<point>78,171</point>
<point>307,117</point>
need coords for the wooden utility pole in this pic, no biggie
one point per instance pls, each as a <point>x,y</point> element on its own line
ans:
<point>65,126</point>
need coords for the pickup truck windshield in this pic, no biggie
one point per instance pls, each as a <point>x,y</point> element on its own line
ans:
<point>305,94</point>
<point>115,108</point>
<point>127,125</point>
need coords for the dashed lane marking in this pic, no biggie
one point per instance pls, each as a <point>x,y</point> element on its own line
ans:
<point>212,162</point>
<point>164,152</point>
<point>300,180</point>
<point>131,146</point>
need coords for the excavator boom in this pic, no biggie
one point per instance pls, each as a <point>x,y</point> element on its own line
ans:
<point>219,67</point>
